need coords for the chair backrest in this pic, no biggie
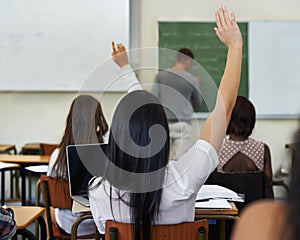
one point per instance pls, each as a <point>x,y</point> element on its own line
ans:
<point>55,193</point>
<point>188,230</point>
<point>254,185</point>
<point>48,148</point>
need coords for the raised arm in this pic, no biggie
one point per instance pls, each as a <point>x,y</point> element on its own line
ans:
<point>228,32</point>
<point>120,57</point>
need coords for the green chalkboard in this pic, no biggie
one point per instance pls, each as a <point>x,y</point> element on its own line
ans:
<point>210,53</point>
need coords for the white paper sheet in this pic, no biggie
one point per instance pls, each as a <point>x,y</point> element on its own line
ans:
<point>214,203</point>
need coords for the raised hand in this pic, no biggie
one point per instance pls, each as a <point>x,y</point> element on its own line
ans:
<point>227,29</point>
<point>119,54</point>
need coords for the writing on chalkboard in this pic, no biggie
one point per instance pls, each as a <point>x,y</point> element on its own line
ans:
<point>209,52</point>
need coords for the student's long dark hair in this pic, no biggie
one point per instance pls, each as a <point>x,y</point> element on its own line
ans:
<point>133,127</point>
<point>293,221</point>
<point>85,124</point>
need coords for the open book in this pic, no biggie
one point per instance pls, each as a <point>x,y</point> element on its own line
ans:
<point>208,192</point>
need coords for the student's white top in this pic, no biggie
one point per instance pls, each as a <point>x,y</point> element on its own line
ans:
<point>183,179</point>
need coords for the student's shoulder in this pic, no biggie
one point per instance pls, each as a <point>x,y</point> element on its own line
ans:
<point>263,219</point>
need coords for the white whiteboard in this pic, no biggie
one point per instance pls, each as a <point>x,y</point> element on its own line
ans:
<point>52,45</point>
<point>274,65</point>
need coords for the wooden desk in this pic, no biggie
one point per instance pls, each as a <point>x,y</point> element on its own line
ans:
<point>7,148</point>
<point>24,216</point>
<point>24,161</point>
<point>218,214</point>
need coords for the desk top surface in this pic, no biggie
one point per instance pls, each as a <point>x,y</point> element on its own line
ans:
<point>36,159</point>
<point>25,215</point>
<point>217,211</point>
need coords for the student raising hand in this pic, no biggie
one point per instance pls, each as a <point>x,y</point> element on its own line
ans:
<point>227,29</point>
<point>229,34</point>
<point>119,54</point>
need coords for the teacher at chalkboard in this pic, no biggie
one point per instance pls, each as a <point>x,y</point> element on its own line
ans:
<point>178,91</point>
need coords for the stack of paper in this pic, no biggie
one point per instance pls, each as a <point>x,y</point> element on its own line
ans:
<point>208,192</point>
<point>214,203</point>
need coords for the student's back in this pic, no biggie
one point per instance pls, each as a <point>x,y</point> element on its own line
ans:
<point>240,152</point>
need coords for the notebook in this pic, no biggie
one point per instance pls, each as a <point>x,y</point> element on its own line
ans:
<point>83,162</point>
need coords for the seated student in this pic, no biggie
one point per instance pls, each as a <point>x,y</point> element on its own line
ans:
<point>239,152</point>
<point>85,124</point>
<point>140,185</point>
<point>270,220</point>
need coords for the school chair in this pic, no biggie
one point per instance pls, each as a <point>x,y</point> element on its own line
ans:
<point>44,149</point>
<point>55,193</point>
<point>196,230</point>
<point>47,148</point>
<point>241,163</point>
<point>251,185</point>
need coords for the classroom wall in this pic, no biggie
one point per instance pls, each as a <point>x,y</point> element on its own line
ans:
<point>40,117</point>
<point>28,117</point>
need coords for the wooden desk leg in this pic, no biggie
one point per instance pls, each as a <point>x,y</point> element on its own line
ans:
<point>29,186</point>
<point>12,184</point>
<point>23,176</point>
<point>222,229</point>
<point>2,187</point>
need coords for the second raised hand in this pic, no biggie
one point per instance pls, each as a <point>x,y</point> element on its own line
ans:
<point>119,49</point>
<point>119,54</point>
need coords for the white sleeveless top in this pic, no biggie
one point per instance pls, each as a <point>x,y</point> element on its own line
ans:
<point>251,148</point>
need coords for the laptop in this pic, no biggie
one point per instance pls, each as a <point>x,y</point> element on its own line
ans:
<point>83,162</point>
